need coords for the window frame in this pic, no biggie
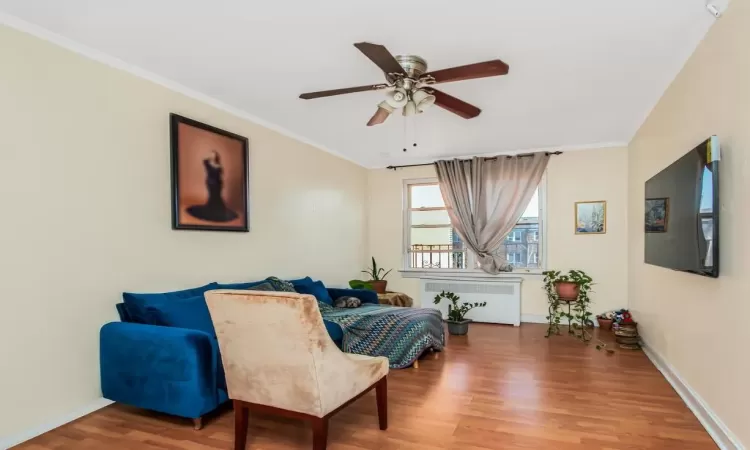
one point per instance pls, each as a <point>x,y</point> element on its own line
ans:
<point>406,231</point>
<point>471,267</point>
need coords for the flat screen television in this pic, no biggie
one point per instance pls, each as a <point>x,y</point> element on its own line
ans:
<point>682,213</point>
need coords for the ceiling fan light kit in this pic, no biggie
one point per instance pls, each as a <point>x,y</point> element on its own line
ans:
<point>409,84</point>
<point>423,100</point>
<point>410,109</point>
<point>397,98</point>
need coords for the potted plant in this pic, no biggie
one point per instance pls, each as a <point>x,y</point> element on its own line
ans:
<point>605,322</point>
<point>457,323</point>
<point>377,277</point>
<point>578,315</point>
<point>572,289</point>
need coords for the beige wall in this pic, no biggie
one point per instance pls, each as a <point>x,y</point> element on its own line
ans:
<point>699,325</point>
<point>84,176</point>
<point>571,177</point>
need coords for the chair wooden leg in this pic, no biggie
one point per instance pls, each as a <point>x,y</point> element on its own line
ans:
<point>198,423</point>
<point>381,392</point>
<point>240,425</point>
<point>320,433</point>
<point>416,364</point>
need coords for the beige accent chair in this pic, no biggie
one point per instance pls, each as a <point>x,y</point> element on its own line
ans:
<point>278,358</point>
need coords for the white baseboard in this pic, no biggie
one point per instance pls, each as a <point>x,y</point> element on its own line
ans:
<point>541,318</point>
<point>534,318</point>
<point>719,432</point>
<point>9,441</point>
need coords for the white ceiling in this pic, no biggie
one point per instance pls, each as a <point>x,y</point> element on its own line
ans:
<point>582,73</point>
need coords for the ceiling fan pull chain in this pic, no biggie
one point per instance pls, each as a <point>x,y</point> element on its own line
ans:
<point>405,137</point>
<point>414,132</point>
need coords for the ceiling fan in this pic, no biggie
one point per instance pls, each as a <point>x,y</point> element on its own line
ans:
<point>409,85</point>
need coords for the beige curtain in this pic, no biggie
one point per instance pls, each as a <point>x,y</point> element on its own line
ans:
<point>486,197</point>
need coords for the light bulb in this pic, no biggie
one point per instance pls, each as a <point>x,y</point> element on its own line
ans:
<point>410,109</point>
<point>423,100</point>
<point>397,98</point>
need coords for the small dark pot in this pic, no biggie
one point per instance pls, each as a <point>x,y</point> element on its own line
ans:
<point>604,324</point>
<point>458,328</point>
<point>379,285</point>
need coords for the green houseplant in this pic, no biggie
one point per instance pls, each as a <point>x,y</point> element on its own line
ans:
<point>568,297</point>
<point>360,284</point>
<point>457,322</point>
<point>377,277</point>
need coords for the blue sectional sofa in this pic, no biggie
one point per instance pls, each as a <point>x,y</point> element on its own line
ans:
<point>163,354</point>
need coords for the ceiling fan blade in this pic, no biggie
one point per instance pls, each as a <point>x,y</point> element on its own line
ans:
<point>379,117</point>
<point>479,70</point>
<point>369,87</point>
<point>454,105</point>
<point>381,57</point>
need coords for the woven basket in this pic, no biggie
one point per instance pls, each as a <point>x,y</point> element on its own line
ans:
<point>626,335</point>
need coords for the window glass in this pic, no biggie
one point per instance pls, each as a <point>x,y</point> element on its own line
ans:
<point>433,244</point>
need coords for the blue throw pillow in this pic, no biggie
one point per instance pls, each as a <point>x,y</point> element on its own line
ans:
<point>306,280</point>
<point>137,304</point>
<point>250,284</point>
<point>317,289</point>
<point>241,286</point>
<point>191,313</point>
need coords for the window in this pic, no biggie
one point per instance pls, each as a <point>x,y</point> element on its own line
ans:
<point>514,258</point>
<point>431,242</point>
<point>514,236</point>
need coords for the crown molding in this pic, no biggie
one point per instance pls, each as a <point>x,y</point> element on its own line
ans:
<point>23,26</point>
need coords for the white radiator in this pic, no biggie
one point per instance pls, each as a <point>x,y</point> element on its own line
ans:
<point>503,297</point>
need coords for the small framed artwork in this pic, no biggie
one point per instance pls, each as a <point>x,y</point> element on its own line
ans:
<point>209,177</point>
<point>591,217</point>
<point>657,215</point>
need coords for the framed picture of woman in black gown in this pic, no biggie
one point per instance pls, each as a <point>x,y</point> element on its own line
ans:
<point>209,177</point>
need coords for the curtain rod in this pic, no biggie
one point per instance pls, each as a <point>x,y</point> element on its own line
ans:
<point>524,155</point>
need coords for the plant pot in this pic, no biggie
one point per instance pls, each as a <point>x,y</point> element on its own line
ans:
<point>458,328</point>
<point>379,285</point>
<point>567,291</point>
<point>604,324</point>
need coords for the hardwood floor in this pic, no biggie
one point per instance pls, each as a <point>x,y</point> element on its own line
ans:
<point>498,388</point>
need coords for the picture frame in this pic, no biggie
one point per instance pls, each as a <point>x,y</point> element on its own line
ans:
<point>656,215</point>
<point>590,217</point>
<point>209,177</point>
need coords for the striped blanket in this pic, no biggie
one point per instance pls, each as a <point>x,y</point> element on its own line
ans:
<point>400,334</point>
